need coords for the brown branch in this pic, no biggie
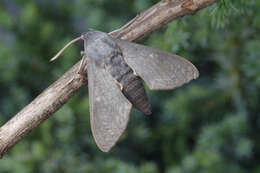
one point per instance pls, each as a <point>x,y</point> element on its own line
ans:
<point>52,98</point>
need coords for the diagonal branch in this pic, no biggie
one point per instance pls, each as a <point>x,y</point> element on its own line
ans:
<point>52,98</point>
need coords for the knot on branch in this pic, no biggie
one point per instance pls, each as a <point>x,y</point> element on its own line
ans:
<point>190,4</point>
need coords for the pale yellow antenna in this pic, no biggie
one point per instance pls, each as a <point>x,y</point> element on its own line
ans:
<point>67,45</point>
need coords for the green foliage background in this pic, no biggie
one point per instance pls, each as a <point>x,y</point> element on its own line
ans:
<point>210,125</point>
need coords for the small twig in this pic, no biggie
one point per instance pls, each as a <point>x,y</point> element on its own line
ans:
<point>52,98</point>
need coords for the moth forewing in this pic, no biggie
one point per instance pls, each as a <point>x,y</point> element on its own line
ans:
<point>160,70</point>
<point>109,109</point>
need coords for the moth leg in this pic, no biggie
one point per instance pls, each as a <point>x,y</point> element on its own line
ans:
<point>83,64</point>
<point>120,85</point>
<point>82,53</point>
<point>135,73</point>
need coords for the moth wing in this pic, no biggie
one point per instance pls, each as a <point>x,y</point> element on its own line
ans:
<point>160,70</point>
<point>109,109</point>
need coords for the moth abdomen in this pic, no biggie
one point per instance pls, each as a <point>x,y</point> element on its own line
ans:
<point>134,91</point>
<point>133,87</point>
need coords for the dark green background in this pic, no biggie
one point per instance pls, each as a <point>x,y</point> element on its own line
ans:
<point>210,125</point>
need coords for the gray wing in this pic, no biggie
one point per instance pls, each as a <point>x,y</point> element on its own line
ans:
<point>160,70</point>
<point>109,109</point>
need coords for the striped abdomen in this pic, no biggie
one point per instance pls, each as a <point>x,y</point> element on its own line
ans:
<point>134,91</point>
<point>133,87</point>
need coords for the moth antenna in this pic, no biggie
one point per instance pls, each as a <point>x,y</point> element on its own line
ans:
<point>65,47</point>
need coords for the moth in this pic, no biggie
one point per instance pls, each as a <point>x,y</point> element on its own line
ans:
<point>116,70</point>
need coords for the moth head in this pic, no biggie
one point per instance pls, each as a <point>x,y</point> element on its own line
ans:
<point>92,35</point>
<point>98,45</point>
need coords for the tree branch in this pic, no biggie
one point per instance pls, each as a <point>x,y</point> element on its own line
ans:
<point>52,98</point>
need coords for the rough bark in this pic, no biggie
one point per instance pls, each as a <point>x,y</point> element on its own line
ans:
<point>52,98</point>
